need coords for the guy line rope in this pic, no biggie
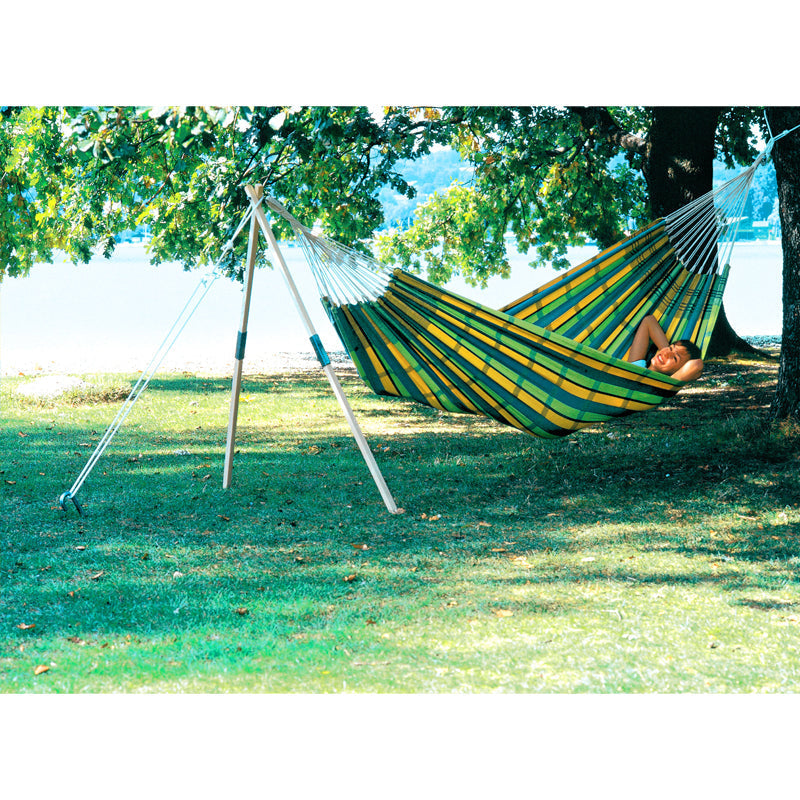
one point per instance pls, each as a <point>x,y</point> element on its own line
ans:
<point>200,291</point>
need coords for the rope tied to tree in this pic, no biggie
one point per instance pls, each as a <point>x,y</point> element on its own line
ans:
<point>772,138</point>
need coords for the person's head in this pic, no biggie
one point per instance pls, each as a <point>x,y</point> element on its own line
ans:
<point>670,359</point>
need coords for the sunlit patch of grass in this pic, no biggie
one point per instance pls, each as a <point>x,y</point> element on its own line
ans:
<point>52,391</point>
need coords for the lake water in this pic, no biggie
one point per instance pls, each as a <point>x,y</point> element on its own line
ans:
<point>113,314</point>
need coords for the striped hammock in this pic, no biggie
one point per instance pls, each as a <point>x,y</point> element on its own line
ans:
<point>551,362</point>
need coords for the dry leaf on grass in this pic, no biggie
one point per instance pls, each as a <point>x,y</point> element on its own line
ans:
<point>42,668</point>
<point>502,612</point>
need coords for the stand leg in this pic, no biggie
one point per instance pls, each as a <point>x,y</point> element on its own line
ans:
<point>369,458</point>
<point>361,441</point>
<point>238,364</point>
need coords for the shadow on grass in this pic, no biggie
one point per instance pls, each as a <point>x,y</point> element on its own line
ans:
<point>767,605</point>
<point>311,383</point>
<point>156,584</point>
<point>767,543</point>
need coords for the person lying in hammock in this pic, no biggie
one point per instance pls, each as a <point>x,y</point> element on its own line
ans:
<point>680,359</point>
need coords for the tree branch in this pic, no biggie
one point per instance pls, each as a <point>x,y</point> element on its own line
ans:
<point>599,119</point>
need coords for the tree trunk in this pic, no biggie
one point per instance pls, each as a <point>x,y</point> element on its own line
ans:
<point>680,156</point>
<point>679,168</point>
<point>786,155</point>
<point>725,340</point>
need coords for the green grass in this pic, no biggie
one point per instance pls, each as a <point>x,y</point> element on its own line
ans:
<point>659,553</point>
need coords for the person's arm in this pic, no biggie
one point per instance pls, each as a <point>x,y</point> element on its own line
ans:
<point>690,370</point>
<point>648,331</point>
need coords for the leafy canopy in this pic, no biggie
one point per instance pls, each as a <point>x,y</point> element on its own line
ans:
<point>74,178</point>
<point>552,177</point>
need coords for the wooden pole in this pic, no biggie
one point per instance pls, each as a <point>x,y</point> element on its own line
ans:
<point>241,339</point>
<point>369,458</point>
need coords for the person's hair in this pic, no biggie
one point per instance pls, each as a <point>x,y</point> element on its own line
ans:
<point>691,348</point>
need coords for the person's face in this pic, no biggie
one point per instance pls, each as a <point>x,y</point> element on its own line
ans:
<point>669,359</point>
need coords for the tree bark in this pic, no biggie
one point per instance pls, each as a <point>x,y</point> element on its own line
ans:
<point>725,340</point>
<point>786,155</point>
<point>679,168</point>
<point>680,156</point>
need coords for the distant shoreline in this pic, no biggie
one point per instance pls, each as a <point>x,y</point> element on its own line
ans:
<point>266,364</point>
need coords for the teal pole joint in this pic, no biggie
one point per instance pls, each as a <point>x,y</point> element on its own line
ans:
<point>322,356</point>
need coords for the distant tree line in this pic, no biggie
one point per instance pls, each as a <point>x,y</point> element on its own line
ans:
<point>436,171</point>
<point>431,173</point>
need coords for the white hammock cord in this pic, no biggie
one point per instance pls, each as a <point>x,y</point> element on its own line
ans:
<point>691,226</point>
<point>697,228</point>
<point>342,274</point>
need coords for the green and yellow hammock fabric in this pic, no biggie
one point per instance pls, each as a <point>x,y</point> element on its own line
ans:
<point>551,362</point>
<point>420,342</point>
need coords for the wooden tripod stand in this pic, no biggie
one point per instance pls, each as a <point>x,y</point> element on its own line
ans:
<point>259,221</point>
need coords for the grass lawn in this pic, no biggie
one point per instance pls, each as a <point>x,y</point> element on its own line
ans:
<point>658,553</point>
